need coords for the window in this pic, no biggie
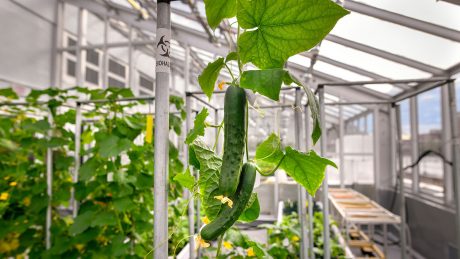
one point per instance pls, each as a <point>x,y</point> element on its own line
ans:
<point>71,66</point>
<point>117,68</point>
<point>431,168</point>
<point>146,86</point>
<point>92,76</point>
<point>92,57</point>
<point>406,140</point>
<point>115,83</point>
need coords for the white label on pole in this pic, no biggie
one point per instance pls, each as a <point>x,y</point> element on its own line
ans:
<point>163,40</point>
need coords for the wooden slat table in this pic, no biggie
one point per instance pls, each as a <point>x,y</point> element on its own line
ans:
<point>355,209</point>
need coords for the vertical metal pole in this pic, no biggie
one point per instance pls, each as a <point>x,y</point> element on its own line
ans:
<point>162,44</point>
<point>78,118</point>
<point>300,189</point>
<point>130,61</point>
<point>341,148</point>
<point>456,158</point>
<point>393,144</point>
<point>56,56</point>
<point>376,147</point>
<point>49,185</point>
<point>311,243</point>
<point>322,113</point>
<point>105,54</point>
<point>80,41</point>
<point>414,141</point>
<point>402,197</point>
<point>191,205</point>
<point>446,139</point>
<point>276,190</point>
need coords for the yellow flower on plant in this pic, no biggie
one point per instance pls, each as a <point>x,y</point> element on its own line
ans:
<point>26,201</point>
<point>205,220</point>
<point>224,199</point>
<point>228,245</point>
<point>4,196</point>
<point>250,251</point>
<point>79,247</point>
<point>199,242</point>
<point>295,238</point>
<point>13,184</point>
<point>221,85</point>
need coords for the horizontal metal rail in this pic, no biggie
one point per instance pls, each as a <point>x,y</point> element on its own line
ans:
<point>374,82</point>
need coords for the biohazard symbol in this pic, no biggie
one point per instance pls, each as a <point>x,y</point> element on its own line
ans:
<point>163,45</point>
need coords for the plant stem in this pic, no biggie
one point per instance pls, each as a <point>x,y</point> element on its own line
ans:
<point>231,73</point>
<point>219,245</point>
<point>217,136</point>
<point>247,127</point>
<point>274,169</point>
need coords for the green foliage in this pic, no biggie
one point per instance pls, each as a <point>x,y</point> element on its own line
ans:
<point>208,77</point>
<point>198,127</point>
<point>305,168</point>
<point>185,179</point>
<point>277,30</point>
<point>266,82</point>
<point>115,187</point>
<point>252,210</point>
<point>217,10</point>
<point>208,181</point>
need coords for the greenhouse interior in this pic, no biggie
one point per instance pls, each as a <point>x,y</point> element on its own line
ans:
<point>230,129</point>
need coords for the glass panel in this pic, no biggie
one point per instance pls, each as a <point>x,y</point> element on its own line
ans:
<point>71,67</point>
<point>385,88</point>
<point>399,40</point>
<point>146,82</point>
<point>117,68</point>
<point>92,56</point>
<point>431,171</point>
<point>92,76</point>
<point>113,82</point>
<point>369,62</point>
<point>437,12</point>
<point>406,140</point>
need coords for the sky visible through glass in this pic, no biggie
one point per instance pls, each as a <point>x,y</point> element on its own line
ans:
<point>429,111</point>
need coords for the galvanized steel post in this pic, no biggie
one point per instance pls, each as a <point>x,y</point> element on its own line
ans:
<point>322,114</point>
<point>311,244</point>
<point>402,201</point>
<point>162,45</point>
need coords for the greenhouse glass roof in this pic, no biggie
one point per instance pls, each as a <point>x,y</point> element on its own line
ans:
<point>378,40</point>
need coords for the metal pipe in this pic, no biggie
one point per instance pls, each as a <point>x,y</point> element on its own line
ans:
<point>357,103</point>
<point>216,122</point>
<point>446,138</point>
<point>300,189</point>
<point>402,200</point>
<point>311,243</point>
<point>204,102</point>
<point>413,111</point>
<point>105,54</point>
<point>78,119</point>
<point>191,204</point>
<point>127,99</point>
<point>163,71</point>
<point>341,148</point>
<point>456,159</point>
<point>376,149</point>
<point>49,185</point>
<point>404,96</point>
<point>223,91</point>
<point>373,82</point>
<point>392,144</point>
<point>269,106</point>
<point>327,252</point>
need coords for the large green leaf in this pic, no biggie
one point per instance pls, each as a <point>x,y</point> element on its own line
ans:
<point>185,179</point>
<point>208,77</point>
<point>82,222</point>
<point>270,149</point>
<point>111,145</point>
<point>123,204</point>
<point>252,210</point>
<point>208,181</point>
<point>88,169</point>
<point>11,94</point>
<point>267,82</point>
<point>198,126</point>
<point>277,30</point>
<point>104,218</point>
<point>306,169</point>
<point>217,10</point>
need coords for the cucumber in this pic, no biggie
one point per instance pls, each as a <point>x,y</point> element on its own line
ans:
<point>234,139</point>
<point>228,216</point>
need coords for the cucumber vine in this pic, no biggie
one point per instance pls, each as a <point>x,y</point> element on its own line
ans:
<point>268,33</point>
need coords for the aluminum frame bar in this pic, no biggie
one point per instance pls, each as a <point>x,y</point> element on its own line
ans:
<point>308,141</point>
<point>385,55</point>
<point>49,186</point>
<point>391,81</point>
<point>402,20</point>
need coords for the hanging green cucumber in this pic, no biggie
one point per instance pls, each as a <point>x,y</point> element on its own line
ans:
<point>228,216</point>
<point>234,139</point>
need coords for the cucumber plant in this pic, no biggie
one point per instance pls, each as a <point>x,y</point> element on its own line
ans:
<point>268,33</point>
